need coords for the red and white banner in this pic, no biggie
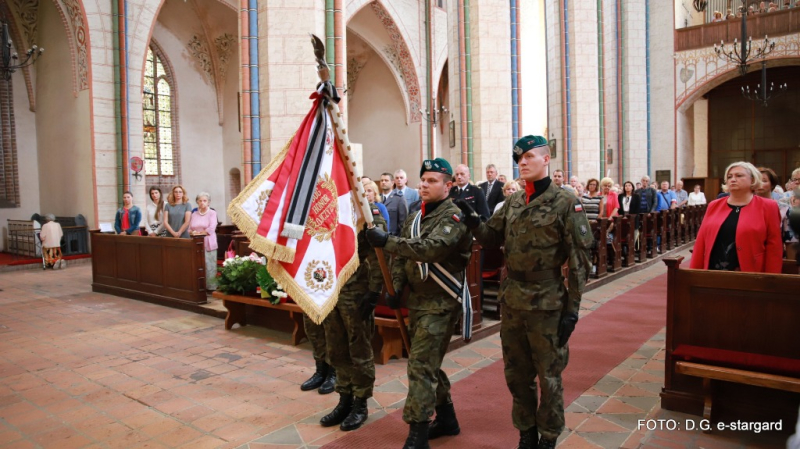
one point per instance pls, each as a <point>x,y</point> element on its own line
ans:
<point>313,267</point>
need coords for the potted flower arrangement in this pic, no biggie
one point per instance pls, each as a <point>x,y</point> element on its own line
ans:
<point>246,275</point>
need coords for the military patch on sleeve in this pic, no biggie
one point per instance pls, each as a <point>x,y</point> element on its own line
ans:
<point>578,207</point>
<point>375,211</point>
<point>456,219</point>
<point>446,230</point>
<point>583,229</point>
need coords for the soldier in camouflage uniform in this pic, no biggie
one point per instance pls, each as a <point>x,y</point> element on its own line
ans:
<point>433,313</point>
<point>539,229</point>
<point>324,378</point>
<point>348,335</point>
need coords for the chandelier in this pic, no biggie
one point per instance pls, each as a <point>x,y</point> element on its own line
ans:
<point>762,93</point>
<point>11,61</point>
<point>742,53</point>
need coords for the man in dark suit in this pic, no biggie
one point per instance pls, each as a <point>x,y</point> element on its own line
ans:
<point>492,188</point>
<point>470,193</point>
<point>395,204</point>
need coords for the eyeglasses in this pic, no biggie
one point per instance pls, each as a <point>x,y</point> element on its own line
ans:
<point>795,180</point>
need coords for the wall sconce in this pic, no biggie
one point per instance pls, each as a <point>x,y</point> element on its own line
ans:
<point>609,156</point>
<point>553,143</point>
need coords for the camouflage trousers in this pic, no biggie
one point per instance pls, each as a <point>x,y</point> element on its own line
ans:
<point>349,346</point>
<point>316,335</point>
<point>428,385</point>
<point>530,339</point>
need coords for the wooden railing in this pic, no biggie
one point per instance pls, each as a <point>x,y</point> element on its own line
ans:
<point>772,24</point>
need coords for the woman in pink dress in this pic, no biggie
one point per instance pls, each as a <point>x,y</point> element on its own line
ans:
<point>204,222</point>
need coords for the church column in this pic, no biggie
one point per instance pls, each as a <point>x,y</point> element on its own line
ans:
<point>491,86</point>
<point>286,68</point>
<point>634,77</point>
<point>584,90</point>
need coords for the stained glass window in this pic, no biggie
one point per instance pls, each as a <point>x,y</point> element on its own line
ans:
<point>157,118</point>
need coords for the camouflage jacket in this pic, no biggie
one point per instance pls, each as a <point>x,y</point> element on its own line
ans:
<point>541,236</point>
<point>444,240</point>
<point>368,276</point>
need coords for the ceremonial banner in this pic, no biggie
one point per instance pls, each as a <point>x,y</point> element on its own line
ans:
<point>299,213</point>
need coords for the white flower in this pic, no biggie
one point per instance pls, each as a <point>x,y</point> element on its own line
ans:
<point>279,294</point>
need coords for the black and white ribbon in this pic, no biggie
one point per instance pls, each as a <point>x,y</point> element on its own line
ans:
<point>455,288</point>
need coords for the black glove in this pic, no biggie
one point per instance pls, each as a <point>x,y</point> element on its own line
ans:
<point>468,214</point>
<point>368,303</point>
<point>565,327</point>
<point>393,301</point>
<point>377,237</point>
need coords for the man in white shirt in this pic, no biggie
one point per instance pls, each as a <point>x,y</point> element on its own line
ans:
<point>51,234</point>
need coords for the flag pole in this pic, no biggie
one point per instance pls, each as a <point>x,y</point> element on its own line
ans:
<point>355,179</point>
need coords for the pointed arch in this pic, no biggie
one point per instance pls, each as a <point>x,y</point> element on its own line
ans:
<point>160,125</point>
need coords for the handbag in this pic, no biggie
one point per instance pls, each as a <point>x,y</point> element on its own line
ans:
<point>230,253</point>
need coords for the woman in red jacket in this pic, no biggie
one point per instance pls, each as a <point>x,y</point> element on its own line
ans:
<point>740,232</point>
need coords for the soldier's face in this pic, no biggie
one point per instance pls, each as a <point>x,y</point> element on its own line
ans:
<point>533,165</point>
<point>386,183</point>
<point>433,187</point>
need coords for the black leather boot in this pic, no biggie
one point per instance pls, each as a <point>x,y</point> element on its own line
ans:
<point>357,417</point>
<point>339,412</point>
<point>317,378</point>
<point>417,436</point>
<point>529,439</point>
<point>445,423</point>
<point>545,443</point>
<point>330,382</point>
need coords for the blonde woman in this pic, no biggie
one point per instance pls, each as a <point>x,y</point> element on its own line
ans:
<point>612,202</point>
<point>374,196</point>
<point>740,232</point>
<point>177,213</point>
<point>508,189</point>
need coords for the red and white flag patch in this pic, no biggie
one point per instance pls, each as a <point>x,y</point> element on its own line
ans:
<point>578,207</point>
<point>455,217</point>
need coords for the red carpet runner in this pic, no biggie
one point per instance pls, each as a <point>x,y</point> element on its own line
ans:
<point>602,340</point>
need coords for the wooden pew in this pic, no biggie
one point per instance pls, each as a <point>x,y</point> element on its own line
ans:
<point>644,230</point>
<point>160,270</point>
<point>661,230</point>
<point>649,232</point>
<point>599,255</point>
<point>225,234</point>
<point>732,348</point>
<point>614,248</point>
<point>627,227</point>
<point>689,231</point>
<point>790,267</point>
<point>673,227</point>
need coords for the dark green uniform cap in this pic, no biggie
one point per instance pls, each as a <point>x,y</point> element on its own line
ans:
<point>526,144</point>
<point>437,165</point>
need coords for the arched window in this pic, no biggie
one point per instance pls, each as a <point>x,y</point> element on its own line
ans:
<point>158,116</point>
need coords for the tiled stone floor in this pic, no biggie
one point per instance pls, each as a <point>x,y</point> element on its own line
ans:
<point>85,370</point>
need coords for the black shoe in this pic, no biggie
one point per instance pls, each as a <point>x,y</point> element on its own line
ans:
<point>317,378</point>
<point>417,436</point>
<point>528,439</point>
<point>445,423</point>
<point>357,417</point>
<point>330,382</point>
<point>339,412</point>
<point>545,443</point>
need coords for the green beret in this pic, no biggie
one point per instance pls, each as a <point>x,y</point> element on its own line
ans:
<point>526,144</point>
<point>437,165</point>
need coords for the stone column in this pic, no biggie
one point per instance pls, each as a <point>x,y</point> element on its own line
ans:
<point>634,82</point>
<point>287,72</point>
<point>491,86</point>
<point>662,91</point>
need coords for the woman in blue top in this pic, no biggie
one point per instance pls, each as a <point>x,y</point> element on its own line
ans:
<point>128,216</point>
<point>374,197</point>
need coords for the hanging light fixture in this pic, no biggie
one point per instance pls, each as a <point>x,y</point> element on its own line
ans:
<point>762,93</point>
<point>11,61</point>
<point>742,52</point>
<point>700,5</point>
